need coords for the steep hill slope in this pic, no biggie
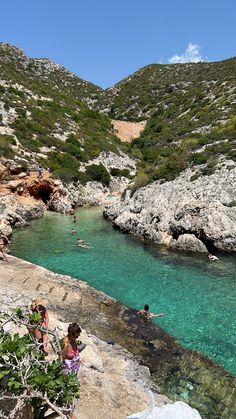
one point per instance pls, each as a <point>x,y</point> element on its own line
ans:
<point>190,111</point>
<point>44,116</point>
<point>193,85</point>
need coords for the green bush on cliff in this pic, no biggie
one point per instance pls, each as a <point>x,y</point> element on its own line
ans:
<point>141,180</point>
<point>97,172</point>
<point>120,172</point>
<point>63,165</point>
<point>5,146</point>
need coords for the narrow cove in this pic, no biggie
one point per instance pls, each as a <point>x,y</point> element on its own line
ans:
<point>197,296</point>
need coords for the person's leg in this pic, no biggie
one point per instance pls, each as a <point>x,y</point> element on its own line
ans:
<point>45,342</point>
<point>3,253</point>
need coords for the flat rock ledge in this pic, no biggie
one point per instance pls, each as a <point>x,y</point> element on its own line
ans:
<point>127,358</point>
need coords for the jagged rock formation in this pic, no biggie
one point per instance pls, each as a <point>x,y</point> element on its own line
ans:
<point>183,215</point>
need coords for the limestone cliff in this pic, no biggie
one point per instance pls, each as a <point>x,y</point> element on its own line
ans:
<point>184,214</point>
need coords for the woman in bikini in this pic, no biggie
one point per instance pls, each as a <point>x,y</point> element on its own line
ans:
<point>71,350</point>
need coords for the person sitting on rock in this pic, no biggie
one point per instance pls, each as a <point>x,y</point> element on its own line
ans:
<point>145,313</point>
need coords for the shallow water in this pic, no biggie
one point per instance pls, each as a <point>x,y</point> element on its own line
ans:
<point>197,296</point>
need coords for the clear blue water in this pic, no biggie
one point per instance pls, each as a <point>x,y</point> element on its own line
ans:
<point>197,296</point>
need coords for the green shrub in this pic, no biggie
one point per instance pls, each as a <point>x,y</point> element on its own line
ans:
<point>230,204</point>
<point>66,175</point>
<point>62,160</point>
<point>140,181</point>
<point>198,158</point>
<point>120,172</point>
<point>5,148</point>
<point>98,173</point>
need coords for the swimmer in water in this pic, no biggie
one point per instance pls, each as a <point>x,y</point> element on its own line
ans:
<point>145,313</point>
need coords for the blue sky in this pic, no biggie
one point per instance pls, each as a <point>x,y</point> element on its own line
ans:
<point>103,41</point>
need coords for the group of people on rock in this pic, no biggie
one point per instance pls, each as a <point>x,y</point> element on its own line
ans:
<point>70,347</point>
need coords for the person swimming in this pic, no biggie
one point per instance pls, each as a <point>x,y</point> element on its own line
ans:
<point>145,313</point>
<point>212,257</point>
<point>82,243</point>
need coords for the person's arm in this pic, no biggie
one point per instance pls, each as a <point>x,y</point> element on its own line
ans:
<point>46,319</point>
<point>151,315</point>
<point>5,237</point>
<point>64,350</point>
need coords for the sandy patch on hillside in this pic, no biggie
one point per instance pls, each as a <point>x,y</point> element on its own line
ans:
<point>127,131</point>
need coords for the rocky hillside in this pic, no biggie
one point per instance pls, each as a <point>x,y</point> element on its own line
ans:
<point>192,86</point>
<point>44,116</point>
<point>190,111</point>
<point>186,139</point>
<point>48,113</point>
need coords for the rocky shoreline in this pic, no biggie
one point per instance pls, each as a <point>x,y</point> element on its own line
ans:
<point>182,215</point>
<point>187,214</point>
<point>181,374</point>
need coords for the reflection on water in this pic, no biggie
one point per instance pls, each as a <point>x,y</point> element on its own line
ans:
<point>197,295</point>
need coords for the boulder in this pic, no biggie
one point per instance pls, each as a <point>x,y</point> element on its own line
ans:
<point>188,243</point>
<point>177,410</point>
<point>15,185</point>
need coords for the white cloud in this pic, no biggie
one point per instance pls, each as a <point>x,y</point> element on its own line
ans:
<point>191,55</point>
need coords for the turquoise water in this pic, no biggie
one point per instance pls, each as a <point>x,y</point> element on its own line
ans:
<point>197,296</point>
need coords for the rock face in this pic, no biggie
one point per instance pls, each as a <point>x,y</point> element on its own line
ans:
<point>202,211</point>
<point>15,213</point>
<point>110,160</point>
